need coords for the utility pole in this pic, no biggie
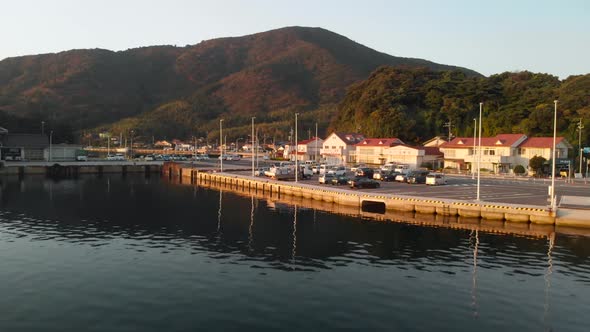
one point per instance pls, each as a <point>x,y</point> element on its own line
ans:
<point>253,146</point>
<point>450,126</point>
<point>316,142</point>
<point>580,127</point>
<point>296,149</point>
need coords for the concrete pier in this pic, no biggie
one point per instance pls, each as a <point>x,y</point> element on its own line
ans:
<point>357,199</point>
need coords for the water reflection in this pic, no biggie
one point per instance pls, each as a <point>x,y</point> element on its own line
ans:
<point>354,259</point>
<point>475,236</point>
<point>169,217</point>
<point>547,277</point>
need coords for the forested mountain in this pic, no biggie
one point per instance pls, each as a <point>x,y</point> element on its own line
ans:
<point>183,91</point>
<point>415,104</point>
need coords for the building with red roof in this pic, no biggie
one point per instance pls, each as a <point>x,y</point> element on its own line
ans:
<point>500,153</point>
<point>339,148</point>
<point>308,149</point>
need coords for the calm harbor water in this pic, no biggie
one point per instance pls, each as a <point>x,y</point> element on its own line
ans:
<point>141,254</point>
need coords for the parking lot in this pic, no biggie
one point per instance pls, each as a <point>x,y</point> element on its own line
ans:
<point>502,190</point>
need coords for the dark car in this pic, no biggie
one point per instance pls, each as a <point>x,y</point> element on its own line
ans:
<point>417,177</point>
<point>365,172</point>
<point>390,176</point>
<point>362,182</point>
<point>340,180</point>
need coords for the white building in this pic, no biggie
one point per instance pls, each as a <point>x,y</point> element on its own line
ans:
<point>500,153</point>
<point>379,151</point>
<point>309,149</point>
<point>339,148</point>
<point>372,150</point>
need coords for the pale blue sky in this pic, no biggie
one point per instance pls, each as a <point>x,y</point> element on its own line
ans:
<point>489,36</point>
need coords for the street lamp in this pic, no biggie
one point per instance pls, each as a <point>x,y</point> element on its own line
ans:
<point>221,145</point>
<point>479,153</point>
<point>580,127</point>
<point>42,127</point>
<point>473,154</point>
<point>316,142</point>
<point>252,137</point>
<point>552,196</point>
<point>131,147</point>
<point>296,149</point>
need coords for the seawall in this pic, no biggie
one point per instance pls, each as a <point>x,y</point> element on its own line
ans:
<point>513,213</point>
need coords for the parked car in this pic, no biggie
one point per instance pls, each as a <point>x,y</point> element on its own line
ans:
<point>363,182</point>
<point>365,172</point>
<point>417,177</point>
<point>149,157</point>
<point>340,180</point>
<point>400,177</point>
<point>116,157</point>
<point>435,179</point>
<point>305,171</point>
<point>378,174</point>
<point>260,171</point>
<point>315,169</point>
<point>389,176</point>
<point>326,178</point>
<point>82,158</point>
<point>338,170</point>
<point>355,167</point>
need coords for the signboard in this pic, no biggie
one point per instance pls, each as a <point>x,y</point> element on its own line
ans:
<point>587,150</point>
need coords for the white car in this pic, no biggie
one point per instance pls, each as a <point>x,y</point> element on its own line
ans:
<point>337,171</point>
<point>261,171</point>
<point>116,157</point>
<point>435,179</point>
<point>326,178</point>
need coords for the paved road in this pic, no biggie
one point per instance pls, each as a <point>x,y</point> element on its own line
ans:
<point>511,190</point>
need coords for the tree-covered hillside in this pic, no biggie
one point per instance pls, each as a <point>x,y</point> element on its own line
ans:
<point>415,104</point>
<point>179,91</point>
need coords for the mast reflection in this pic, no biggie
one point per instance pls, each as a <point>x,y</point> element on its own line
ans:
<point>294,250</point>
<point>251,227</point>
<point>475,236</point>
<point>548,273</point>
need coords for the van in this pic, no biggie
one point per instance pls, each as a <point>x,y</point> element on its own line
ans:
<point>435,179</point>
<point>402,169</point>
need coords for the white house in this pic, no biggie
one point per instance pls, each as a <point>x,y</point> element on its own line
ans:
<point>339,148</point>
<point>502,152</point>
<point>372,150</point>
<point>309,149</point>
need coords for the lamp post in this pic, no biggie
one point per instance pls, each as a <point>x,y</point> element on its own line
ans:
<point>316,142</point>
<point>253,147</point>
<point>580,127</point>
<point>479,153</point>
<point>221,145</point>
<point>552,196</point>
<point>474,134</point>
<point>108,144</point>
<point>296,149</point>
<point>131,146</point>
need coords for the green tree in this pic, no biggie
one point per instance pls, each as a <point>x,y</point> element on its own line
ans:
<point>536,163</point>
<point>519,169</point>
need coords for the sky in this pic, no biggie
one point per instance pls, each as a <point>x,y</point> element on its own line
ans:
<point>490,37</point>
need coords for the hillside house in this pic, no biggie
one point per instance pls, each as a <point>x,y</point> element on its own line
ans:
<point>372,150</point>
<point>500,153</point>
<point>339,148</point>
